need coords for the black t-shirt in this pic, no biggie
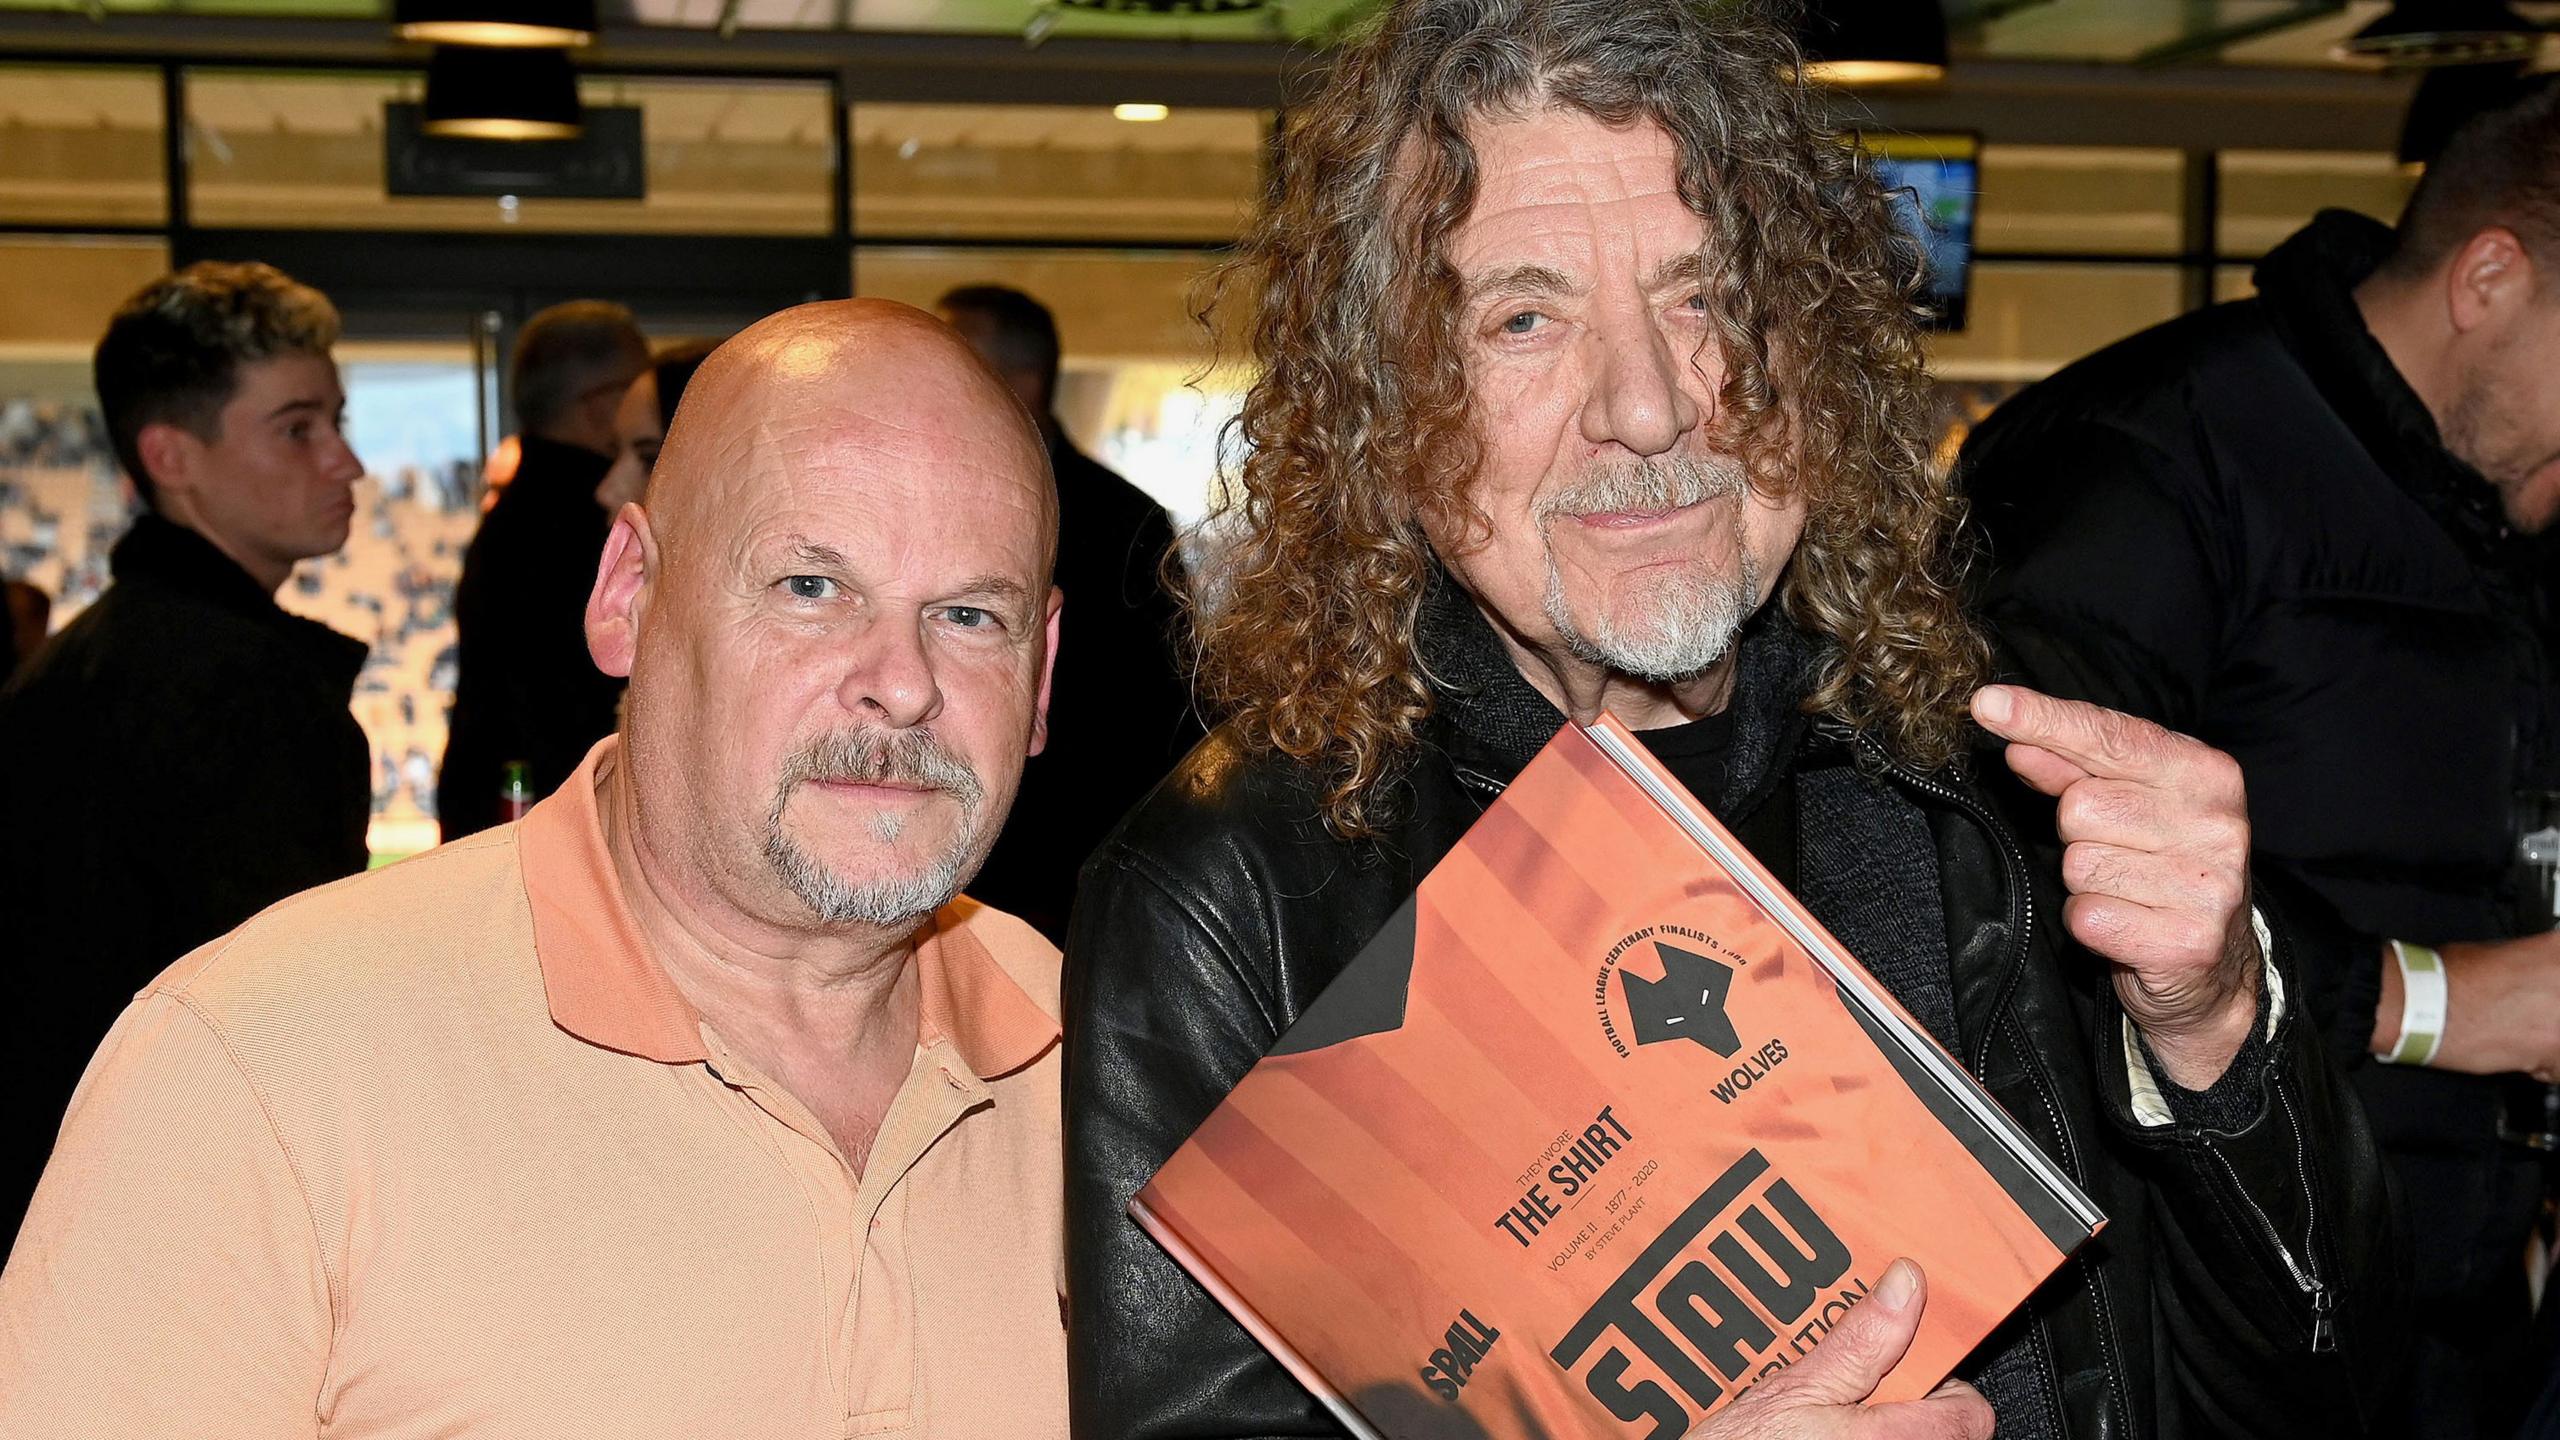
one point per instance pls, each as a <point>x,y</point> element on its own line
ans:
<point>1698,754</point>
<point>1695,754</point>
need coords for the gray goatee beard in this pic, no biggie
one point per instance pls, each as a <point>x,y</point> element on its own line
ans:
<point>1691,621</point>
<point>909,757</point>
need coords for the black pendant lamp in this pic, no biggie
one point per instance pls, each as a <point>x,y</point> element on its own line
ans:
<point>479,94</point>
<point>536,23</point>
<point>1873,42</point>
<point>2416,33</point>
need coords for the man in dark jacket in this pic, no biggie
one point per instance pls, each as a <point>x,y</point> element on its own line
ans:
<point>1121,708</point>
<point>526,691</point>
<point>2297,527</point>
<point>181,756</point>
<point>1581,338</point>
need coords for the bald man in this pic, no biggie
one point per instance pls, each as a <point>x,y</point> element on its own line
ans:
<point>694,1104</point>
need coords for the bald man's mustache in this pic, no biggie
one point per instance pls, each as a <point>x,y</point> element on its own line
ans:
<point>876,757</point>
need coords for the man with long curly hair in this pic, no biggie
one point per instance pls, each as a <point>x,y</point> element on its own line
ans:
<point>1582,340</point>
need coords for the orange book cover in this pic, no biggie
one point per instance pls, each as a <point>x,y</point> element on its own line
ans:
<point>1600,1131</point>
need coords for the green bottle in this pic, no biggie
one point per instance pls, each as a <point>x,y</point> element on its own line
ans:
<point>515,790</point>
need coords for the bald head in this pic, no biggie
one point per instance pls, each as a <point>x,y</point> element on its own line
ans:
<point>836,612</point>
<point>819,383</point>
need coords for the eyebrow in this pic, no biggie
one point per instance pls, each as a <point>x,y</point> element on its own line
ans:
<point>994,587</point>
<point>290,406</point>
<point>1520,280</point>
<point>1689,268</point>
<point>809,552</point>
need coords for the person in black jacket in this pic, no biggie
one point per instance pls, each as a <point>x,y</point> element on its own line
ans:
<point>1589,381</point>
<point>526,691</point>
<point>1120,705</point>
<point>181,755</point>
<point>2297,527</point>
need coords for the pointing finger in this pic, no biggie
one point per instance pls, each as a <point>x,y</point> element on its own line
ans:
<point>2105,743</point>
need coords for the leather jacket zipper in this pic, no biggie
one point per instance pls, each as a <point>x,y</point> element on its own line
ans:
<point>2304,1271</point>
<point>2021,896</point>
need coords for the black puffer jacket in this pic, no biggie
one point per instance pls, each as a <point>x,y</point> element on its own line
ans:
<point>2244,524</point>
<point>2237,1290</point>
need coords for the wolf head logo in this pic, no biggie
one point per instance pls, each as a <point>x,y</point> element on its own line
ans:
<point>1687,1003</point>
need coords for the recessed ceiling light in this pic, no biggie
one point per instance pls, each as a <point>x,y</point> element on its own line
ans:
<point>501,95</point>
<point>1873,42</point>
<point>1850,74</point>
<point>535,23</point>
<point>1140,112</point>
<point>2446,32</point>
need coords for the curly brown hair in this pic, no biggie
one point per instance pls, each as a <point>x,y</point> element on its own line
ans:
<point>1360,420</point>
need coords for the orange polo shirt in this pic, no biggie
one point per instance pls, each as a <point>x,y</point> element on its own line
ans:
<point>440,1151</point>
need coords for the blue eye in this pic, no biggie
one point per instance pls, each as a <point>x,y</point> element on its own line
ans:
<point>969,617</point>
<point>809,587</point>
<point>1523,323</point>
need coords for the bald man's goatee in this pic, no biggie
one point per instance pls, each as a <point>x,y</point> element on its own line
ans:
<point>872,757</point>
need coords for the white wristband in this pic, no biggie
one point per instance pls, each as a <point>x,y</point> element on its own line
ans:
<point>2422,1005</point>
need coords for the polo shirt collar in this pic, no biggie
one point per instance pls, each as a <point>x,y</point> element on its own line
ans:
<point>604,987</point>
<point>596,970</point>
<point>967,997</point>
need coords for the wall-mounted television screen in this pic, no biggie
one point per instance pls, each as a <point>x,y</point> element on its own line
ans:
<point>1935,179</point>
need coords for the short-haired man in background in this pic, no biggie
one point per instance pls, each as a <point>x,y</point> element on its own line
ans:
<point>525,690</point>
<point>2296,526</point>
<point>181,756</point>
<point>1123,707</point>
<point>693,1105</point>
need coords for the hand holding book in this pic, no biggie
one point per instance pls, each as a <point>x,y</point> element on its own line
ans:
<point>1604,1124</point>
<point>1822,1397</point>
<point>2156,834</point>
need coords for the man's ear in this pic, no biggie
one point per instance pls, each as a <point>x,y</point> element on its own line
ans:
<point>621,594</point>
<point>170,453</point>
<point>1048,670</point>
<point>2490,275</point>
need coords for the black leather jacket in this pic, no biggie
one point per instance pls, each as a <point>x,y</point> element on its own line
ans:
<point>2241,1286</point>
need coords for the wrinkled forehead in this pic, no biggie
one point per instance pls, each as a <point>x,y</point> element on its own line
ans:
<point>921,486</point>
<point>1551,174</point>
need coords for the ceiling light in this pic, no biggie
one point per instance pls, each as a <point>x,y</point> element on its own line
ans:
<point>2444,32</point>
<point>1139,112</point>
<point>1873,42</point>
<point>1172,9</point>
<point>535,23</point>
<point>501,95</point>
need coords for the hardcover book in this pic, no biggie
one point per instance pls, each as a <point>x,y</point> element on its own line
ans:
<point>1601,1130</point>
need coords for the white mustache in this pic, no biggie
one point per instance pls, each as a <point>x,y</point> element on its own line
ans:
<point>1647,485</point>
